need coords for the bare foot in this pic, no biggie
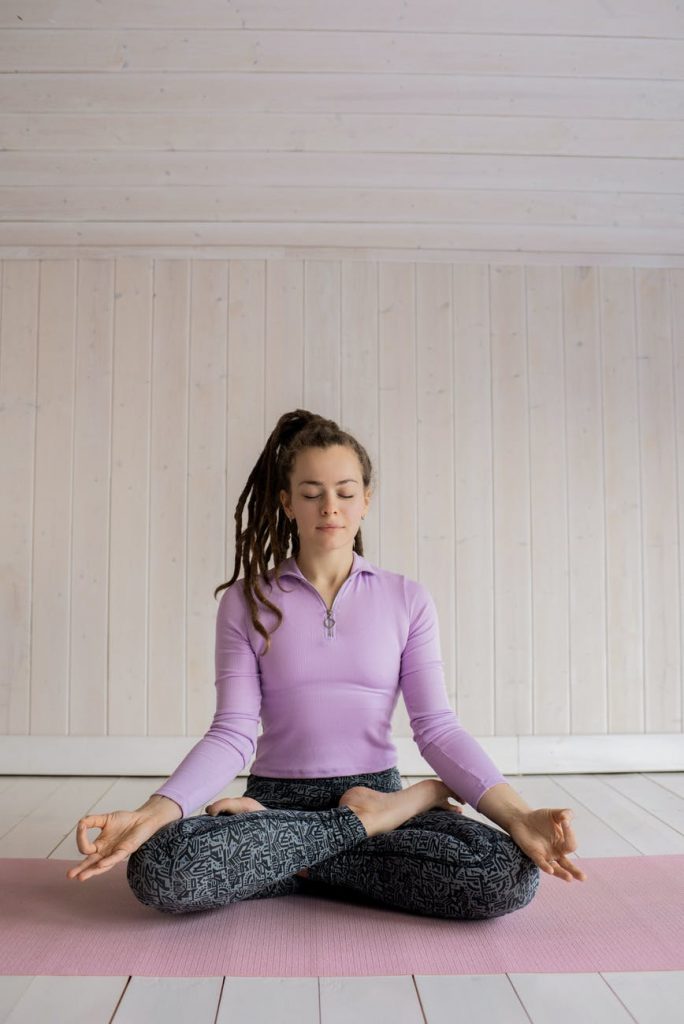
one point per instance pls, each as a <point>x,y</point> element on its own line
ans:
<point>234,805</point>
<point>383,812</point>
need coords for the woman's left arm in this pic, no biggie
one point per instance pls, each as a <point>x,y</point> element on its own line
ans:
<point>545,834</point>
<point>501,803</point>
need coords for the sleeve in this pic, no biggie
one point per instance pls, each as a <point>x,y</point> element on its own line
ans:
<point>459,760</point>
<point>230,741</point>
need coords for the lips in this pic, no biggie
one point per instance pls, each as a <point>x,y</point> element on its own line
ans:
<point>329,527</point>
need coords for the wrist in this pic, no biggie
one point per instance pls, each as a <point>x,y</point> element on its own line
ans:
<point>162,807</point>
<point>503,805</point>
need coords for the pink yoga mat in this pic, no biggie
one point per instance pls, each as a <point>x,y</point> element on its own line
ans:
<point>627,916</point>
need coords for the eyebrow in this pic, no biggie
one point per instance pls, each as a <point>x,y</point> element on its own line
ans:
<point>349,480</point>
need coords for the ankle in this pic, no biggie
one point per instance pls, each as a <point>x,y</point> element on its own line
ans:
<point>367,818</point>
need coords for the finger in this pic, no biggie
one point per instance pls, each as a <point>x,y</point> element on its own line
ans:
<point>565,869</point>
<point>104,865</point>
<point>568,831</point>
<point>574,870</point>
<point>554,868</point>
<point>78,868</point>
<point>83,841</point>
<point>565,841</point>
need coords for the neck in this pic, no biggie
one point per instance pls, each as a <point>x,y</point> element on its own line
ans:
<point>326,570</point>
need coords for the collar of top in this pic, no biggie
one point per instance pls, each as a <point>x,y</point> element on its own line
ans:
<point>289,566</point>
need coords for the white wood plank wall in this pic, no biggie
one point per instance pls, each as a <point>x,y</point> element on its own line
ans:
<point>526,132</point>
<point>458,230</point>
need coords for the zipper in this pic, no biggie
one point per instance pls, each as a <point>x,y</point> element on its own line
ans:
<point>329,620</point>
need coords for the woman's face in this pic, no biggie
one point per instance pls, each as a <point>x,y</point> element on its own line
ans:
<point>327,489</point>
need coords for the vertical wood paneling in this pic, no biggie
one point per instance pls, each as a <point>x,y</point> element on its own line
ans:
<point>322,304</point>
<point>54,506</point>
<point>206,481</point>
<point>18,368</point>
<point>398,413</point>
<point>359,379</point>
<point>434,435</point>
<point>398,459</point>
<point>676,290</point>
<point>473,457</point>
<point>525,426</point>
<point>589,713</point>
<point>624,580</point>
<point>90,525</point>
<point>512,605</point>
<point>662,611</point>
<point>167,593</point>
<point>129,569</point>
<point>284,341</point>
<point>549,680</point>
<point>245,403</point>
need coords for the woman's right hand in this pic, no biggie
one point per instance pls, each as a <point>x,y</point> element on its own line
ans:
<point>122,832</point>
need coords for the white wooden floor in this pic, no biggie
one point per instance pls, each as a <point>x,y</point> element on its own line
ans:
<point>615,815</point>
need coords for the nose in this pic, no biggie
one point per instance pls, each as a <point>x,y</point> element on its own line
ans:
<point>328,509</point>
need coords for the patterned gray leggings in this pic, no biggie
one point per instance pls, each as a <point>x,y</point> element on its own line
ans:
<point>438,863</point>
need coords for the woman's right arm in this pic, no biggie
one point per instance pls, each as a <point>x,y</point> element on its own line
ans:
<point>230,742</point>
<point>212,762</point>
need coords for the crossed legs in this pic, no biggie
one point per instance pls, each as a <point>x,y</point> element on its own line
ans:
<point>436,862</point>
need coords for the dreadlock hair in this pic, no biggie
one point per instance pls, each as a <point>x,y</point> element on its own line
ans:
<point>269,531</point>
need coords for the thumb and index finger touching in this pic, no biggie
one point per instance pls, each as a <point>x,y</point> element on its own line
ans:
<point>104,851</point>
<point>83,840</point>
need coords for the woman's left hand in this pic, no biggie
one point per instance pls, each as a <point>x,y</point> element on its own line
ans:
<point>546,836</point>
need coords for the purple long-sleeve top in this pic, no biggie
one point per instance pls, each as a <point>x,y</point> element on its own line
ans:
<point>326,691</point>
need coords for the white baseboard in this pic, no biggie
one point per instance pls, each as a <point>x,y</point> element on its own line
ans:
<point>513,755</point>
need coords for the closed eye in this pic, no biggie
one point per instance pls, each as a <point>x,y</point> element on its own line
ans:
<point>312,497</point>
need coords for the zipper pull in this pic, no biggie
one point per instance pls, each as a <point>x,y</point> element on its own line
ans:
<point>329,621</point>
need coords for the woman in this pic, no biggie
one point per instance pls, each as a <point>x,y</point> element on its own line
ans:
<point>318,648</point>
